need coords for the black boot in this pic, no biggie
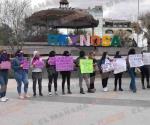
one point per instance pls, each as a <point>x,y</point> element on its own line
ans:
<point>143,86</point>
<point>82,91</point>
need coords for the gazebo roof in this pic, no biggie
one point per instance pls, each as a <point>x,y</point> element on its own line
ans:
<point>64,2</point>
<point>63,18</point>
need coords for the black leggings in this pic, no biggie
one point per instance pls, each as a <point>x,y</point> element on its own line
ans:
<point>37,77</point>
<point>52,77</point>
<point>66,75</point>
<point>118,77</point>
<point>145,74</point>
<point>104,82</point>
<point>92,80</point>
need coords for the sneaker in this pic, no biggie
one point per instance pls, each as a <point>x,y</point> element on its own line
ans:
<point>21,97</point>
<point>56,93</point>
<point>34,95</point>
<point>40,94</point>
<point>82,91</point>
<point>90,91</point>
<point>3,99</point>
<point>120,89</point>
<point>26,96</point>
<point>69,92</point>
<point>105,89</point>
<point>50,93</point>
<point>148,86</point>
<point>115,89</point>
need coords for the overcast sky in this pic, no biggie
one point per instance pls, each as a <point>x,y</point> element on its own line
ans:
<point>117,9</point>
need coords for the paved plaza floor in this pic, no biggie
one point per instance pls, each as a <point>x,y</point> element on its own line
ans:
<point>100,108</point>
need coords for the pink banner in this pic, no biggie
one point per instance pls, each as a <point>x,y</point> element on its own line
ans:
<point>51,61</point>
<point>64,63</point>
<point>39,64</point>
<point>5,65</point>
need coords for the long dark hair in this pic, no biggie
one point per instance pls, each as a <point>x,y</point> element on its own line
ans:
<point>131,51</point>
<point>104,56</point>
<point>52,53</point>
<point>82,54</point>
<point>66,53</point>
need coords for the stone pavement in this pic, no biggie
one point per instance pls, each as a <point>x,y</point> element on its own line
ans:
<point>100,108</point>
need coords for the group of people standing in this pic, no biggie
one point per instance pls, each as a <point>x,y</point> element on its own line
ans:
<point>21,74</point>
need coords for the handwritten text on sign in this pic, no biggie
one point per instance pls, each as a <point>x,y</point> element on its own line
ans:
<point>119,65</point>
<point>5,65</point>
<point>136,60</point>
<point>64,63</point>
<point>86,66</point>
<point>146,58</point>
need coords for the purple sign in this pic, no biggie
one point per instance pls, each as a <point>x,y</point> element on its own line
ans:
<point>64,63</point>
<point>5,65</point>
<point>39,64</point>
<point>51,61</point>
<point>26,64</point>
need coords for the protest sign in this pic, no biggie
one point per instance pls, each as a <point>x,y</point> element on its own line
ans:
<point>146,58</point>
<point>136,60</point>
<point>86,66</point>
<point>39,64</point>
<point>26,64</point>
<point>107,67</point>
<point>51,61</point>
<point>120,65</point>
<point>5,65</point>
<point>64,63</point>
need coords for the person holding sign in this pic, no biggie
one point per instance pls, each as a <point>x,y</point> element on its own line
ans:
<point>131,71</point>
<point>93,74</point>
<point>38,65</point>
<point>66,75</point>
<point>118,76</point>
<point>82,75</point>
<point>145,74</point>
<point>4,58</point>
<point>105,75</point>
<point>52,73</point>
<point>20,74</point>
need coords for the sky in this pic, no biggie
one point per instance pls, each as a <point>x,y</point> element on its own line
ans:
<point>116,9</point>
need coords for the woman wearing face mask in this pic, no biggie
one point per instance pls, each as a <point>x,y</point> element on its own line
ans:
<point>66,75</point>
<point>104,59</point>
<point>37,64</point>
<point>52,73</point>
<point>3,76</point>
<point>21,74</point>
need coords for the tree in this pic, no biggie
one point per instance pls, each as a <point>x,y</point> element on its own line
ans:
<point>13,14</point>
<point>145,26</point>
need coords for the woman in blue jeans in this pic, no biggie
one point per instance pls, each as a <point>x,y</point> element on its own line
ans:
<point>3,76</point>
<point>20,74</point>
<point>131,71</point>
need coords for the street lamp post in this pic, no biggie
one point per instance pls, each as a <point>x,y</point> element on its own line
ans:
<point>138,19</point>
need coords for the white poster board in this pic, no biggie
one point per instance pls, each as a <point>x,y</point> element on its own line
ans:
<point>120,65</point>
<point>107,67</point>
<point>136,60</point>
<point>146,58</point>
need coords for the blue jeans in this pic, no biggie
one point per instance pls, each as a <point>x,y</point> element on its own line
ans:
<point>22,77</point>
<point>3,82</point>
<point>132,76</point>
